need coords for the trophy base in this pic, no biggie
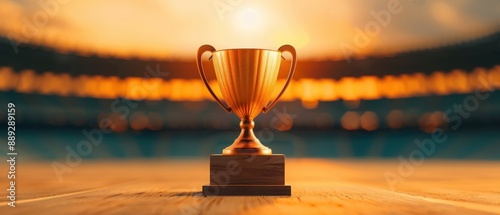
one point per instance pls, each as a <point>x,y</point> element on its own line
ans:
<point>233,175</point>
<point>247,190</point>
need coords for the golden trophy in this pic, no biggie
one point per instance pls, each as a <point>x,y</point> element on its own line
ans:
<point>247,78</point>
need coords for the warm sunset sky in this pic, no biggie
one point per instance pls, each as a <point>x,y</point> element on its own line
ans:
<point>175,29</point>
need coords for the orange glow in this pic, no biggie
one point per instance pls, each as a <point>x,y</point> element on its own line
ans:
<point>27,81</point>
<point>175,29</point>
<point>138,121</point>
<point>368,87</point>
<point>327,90</point>
<point>347,89</point>
<point>437,83</point>
<point>309,91</point>
<point>392,87</point>
<point>494,77</point>
<point>395,119</point>
<point>284,122</point>
<point>310,104</point>
<point>8,80</point>
<point>51,83</point>
<point>457,81</point>
<point>107,86</point>
<point>479,79</point>
<point>430,121</point>
<point>350,120</point>
<point>288,95</point>
<point>119,121</point>
<point>417,84</point>
<point>369,121</point>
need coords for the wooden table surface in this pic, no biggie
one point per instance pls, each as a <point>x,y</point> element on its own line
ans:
<point>319,186</point>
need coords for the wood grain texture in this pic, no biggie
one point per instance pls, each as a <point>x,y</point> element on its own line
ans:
<point>319,187</point>
<point>247,169</point>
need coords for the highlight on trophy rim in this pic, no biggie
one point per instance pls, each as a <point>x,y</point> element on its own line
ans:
<point>246,78</point>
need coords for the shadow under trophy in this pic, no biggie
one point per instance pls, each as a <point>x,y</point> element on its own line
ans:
<point>246,79</point>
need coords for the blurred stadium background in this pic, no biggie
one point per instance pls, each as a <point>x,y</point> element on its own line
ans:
<point>373,105</point>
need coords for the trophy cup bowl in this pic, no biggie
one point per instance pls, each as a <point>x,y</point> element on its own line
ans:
<point>247,78</point>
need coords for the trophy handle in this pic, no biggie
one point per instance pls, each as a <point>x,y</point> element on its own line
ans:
<point>201,51</point>
<point>291,49</point>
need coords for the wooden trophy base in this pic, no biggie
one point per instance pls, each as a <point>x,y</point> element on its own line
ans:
<point>247,175</point>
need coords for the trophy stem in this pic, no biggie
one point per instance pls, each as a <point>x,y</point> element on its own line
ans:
<point>247,143</point>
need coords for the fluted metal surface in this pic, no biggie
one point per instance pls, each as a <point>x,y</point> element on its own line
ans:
<point>247,78</point>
